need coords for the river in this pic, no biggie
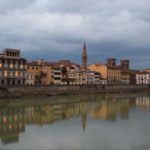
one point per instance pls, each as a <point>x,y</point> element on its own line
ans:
<point>83,122</point>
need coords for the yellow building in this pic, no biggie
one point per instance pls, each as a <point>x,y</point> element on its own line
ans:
<point>113,74</point>
<point>113,71</point>
<point>33,73</point>
<point>125,77</point>
<point>40,72</point>
<point>47,73</point>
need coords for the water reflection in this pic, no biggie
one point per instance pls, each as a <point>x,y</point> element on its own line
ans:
<point>14,116</point>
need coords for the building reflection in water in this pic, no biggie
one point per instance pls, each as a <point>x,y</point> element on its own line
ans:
<point>143,102</point>
<point>108,110</point>
<point>14,117</point>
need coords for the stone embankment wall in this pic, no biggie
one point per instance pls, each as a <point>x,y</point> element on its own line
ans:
<point>50,90</point>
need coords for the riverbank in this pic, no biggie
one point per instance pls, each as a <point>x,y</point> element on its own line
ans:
<point>51,90</point>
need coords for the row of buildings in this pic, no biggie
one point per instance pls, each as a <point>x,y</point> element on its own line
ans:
<point>15,70</point>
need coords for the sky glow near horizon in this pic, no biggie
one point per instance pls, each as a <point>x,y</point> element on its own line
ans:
<point>56,29</point>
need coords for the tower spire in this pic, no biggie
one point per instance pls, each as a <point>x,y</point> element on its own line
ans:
<point>84,55</point>
<point>84,47</point>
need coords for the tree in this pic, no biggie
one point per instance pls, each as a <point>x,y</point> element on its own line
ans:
<point>64,74</point>
<point>64,71</point>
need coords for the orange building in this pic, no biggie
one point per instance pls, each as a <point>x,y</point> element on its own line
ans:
<point>111,72</point>
<point>101,68</point>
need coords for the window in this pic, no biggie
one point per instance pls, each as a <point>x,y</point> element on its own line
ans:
<point>19,82</point>
<point>14,62</point>
<point>8,74</point>
<point>18,74</point>
<point>23,74</point>
<point>5,73</point>
<point>57,78</point>
<point>21,66</point>
<point>11,65</point>
<point>2,81</point>
<point>3,61</point>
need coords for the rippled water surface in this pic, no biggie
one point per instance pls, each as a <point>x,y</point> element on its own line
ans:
<point>89,122</point>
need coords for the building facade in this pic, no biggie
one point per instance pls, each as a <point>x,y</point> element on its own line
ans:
<point>99,67</point>
<point>147,70</point>
<point>132,76</point>
<point>65,72</point>
<point>125,77</point>
<point>33,73</point>
<point>125,73</point>
<point>40,72</point>
<point>57,74</point>
<point>143,77</point>
<point>112,73</point>
<point>125,64</point>
<point>12,68</point>
<point>87,77</point>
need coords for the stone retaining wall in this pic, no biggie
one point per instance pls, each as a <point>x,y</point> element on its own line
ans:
<point>40,90</point>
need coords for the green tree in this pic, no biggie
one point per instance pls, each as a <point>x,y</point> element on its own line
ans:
<point>64,71</point>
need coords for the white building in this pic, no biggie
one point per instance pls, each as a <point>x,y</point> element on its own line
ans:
<point>93,77</point>
<point>143,77</point>
<point>87,77</point>
<point>29,79</point>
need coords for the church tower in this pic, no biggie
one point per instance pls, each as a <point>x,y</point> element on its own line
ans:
<point>84,56</point>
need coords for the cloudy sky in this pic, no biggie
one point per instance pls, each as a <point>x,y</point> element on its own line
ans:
<point>56,29</point>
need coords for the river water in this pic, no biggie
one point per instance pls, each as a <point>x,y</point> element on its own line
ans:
<point>89,122</point>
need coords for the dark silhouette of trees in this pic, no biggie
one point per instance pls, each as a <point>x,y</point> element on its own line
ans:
<point>64,74</point>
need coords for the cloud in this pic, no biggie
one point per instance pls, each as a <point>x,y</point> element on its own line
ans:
<point>60,26</point>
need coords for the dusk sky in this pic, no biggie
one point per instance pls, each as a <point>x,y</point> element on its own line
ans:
<point>57,29</point>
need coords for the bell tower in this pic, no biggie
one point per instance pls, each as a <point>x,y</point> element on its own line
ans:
<point>84,56</point>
